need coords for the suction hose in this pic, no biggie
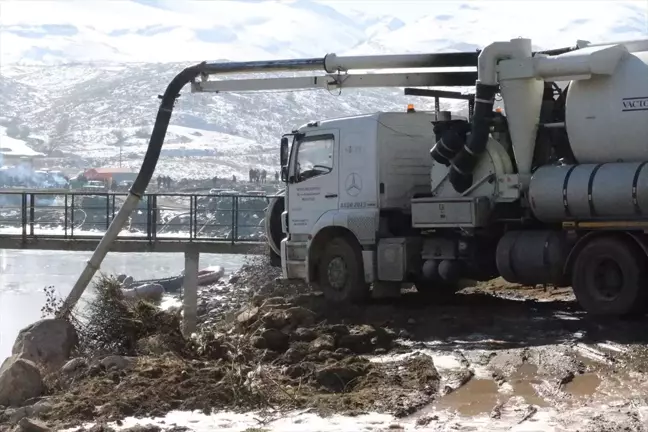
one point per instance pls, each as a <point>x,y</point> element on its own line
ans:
<point>139,186</point>
<point>463,164</point>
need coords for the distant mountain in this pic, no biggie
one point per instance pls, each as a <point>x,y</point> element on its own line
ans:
<point>89,104</point>
<point>85,76</point>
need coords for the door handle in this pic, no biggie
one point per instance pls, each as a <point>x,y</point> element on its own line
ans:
<point>330,196</point>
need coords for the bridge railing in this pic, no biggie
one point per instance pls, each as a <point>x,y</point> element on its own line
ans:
<point>235,218</point>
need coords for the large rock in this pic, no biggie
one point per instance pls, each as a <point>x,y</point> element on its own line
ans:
<point>359,340</point>
<point>47,343</point>
<point>115,362</point>
<point>296,353</point>
<point>275,319</point>
<point>338,376</point>
<point>16,414</point>
<point>31,425</point>
<point>300,317</point>
<point>275,340</point>
<point>325,342</point>
<point>304,334</point>
<point>20,380</point>
<point>248,316</point>
<point>73,365</point>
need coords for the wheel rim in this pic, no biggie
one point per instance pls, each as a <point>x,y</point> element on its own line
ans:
<point>607,279</point>
<point>337,273</point>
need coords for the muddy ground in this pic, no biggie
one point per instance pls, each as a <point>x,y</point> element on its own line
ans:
<point>492,357</point>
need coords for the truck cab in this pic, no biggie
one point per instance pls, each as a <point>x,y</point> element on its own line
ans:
<point>341,176</point>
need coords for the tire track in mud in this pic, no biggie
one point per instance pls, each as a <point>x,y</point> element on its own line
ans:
<point>518,358</point>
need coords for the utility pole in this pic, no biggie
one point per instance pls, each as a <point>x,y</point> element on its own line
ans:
<point>120,154</point>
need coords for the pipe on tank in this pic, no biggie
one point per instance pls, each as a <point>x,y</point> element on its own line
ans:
<point>493,53</point>
<point>463,164</point>
<point>632,45</point>
<point>139,186</point>
<point>600,60</point>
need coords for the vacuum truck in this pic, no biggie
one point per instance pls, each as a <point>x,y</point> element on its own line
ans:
<point>551,188</point>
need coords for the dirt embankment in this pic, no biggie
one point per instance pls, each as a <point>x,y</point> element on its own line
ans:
<point>495,351</point>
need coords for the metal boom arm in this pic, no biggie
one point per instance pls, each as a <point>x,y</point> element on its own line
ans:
<point>337,73</point>
<point>338,81</point>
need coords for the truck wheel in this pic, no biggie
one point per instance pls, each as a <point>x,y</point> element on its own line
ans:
<point>609,277</point>
<point>275,259</point>
<point>340,273</point>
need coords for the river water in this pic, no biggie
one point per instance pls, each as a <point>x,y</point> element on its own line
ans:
<point>24,274</point>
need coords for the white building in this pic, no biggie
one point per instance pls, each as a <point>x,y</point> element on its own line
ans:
<point>16,152</point>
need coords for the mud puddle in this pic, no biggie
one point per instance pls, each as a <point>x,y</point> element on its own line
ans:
<point>478,396</point>
<point>583,386</point>
<point>535,366</point>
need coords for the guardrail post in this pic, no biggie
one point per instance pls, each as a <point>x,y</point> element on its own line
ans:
<point>148,217</point>
<point>107,211</point>
<point>72,217</point>
<point>23,214</point>
<point>191,204</point>
<point>65,215</point>
<point>234,217</point>
<point>190,292</point>
<point>195,217</point>
<point>31,214</point>
<point>154,216</point>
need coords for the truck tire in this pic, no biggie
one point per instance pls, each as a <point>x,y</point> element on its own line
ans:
<point>272,222</point>
<point>609,277</point>
<point>274,258</point>
<point>340,273</point>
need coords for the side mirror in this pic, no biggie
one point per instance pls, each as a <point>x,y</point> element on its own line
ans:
<point>283,151</point>
<point>284,173</point>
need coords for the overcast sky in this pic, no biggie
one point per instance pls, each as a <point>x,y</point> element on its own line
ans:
<point>183,30</point>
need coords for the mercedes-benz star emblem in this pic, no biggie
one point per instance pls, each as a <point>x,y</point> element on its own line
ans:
<point>353,184</point>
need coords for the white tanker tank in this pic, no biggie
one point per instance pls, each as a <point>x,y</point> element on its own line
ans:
<point>607,116</point>
<point>606,119</point>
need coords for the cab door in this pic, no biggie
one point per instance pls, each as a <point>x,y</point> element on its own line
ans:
<point>313,180</point>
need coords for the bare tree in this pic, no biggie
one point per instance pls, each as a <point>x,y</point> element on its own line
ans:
<point>24,132</point>
<point>57,138</point>
<point>143,132</point>
<point>13,131</point>
<point>13,128</point>
<point>120,136</point>
<point>120,139</point>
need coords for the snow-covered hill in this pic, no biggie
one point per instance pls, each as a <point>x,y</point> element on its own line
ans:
<point>100,109</point>
<point>85,76</point>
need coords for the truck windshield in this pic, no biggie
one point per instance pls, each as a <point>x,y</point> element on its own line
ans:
<point>314,156</point>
